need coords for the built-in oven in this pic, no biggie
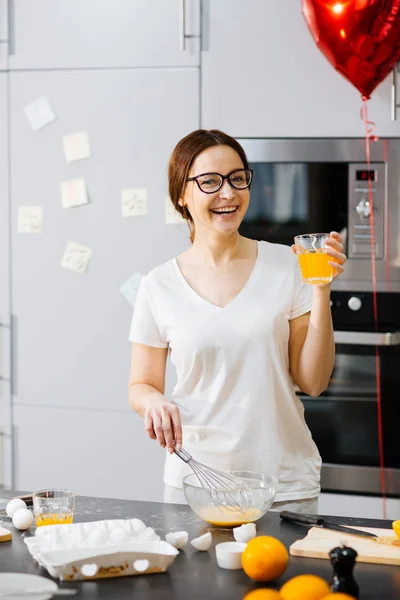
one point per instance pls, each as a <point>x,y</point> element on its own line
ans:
<point>317,185</point>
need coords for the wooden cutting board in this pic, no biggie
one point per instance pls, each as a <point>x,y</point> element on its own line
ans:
<point>319,542</point>
<point>5,535</point>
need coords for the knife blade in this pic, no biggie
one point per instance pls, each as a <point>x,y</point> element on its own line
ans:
<point>317,521</point>
<point>29,593</point>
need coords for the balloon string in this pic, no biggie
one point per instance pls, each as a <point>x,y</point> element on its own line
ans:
<point>369,137</point>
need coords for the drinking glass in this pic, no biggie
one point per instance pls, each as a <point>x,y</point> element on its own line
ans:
<point>313,259</point>
<point>53,507</point>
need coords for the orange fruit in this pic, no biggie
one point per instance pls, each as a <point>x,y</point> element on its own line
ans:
<point>305,587</point>
<point>265,558</point>
<point>337,596</point>
<point>263,594</point>
<point>396,528</point>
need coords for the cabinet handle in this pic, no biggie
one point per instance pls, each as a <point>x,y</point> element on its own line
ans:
<point>182,25</point>
<point>13,357</point>
<point>10,27</point>
<point>395,103</point>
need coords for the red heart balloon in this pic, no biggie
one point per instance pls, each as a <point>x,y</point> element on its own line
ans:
<point>361,38</point>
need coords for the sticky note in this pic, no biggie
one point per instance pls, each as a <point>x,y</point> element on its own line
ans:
<point>172,217</point>
<point>76,146</point>
<point>30,219</point>
<point>76,257</point>
<point>130,287</point>
<point>39,113</point>
<point>134,202</point>
<point>74,193</point>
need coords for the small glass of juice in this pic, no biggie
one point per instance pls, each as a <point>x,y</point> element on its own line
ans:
<point>313,259</point>
<point>53,507</point>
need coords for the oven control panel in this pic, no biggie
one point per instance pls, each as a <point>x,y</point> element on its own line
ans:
<point>362,180</point>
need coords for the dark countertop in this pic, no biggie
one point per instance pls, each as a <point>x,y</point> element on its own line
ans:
<point>194,573</point>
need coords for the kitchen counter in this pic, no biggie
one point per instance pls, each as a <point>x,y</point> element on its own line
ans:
<point>194,573</point>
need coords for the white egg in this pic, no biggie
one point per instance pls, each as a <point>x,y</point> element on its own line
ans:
<point>148,535</point>
<point>22,519</point>
<point>203,542</point>
<point>244,533</point>
<point>138,526</point>
<point>120,536</point>
<point>177,538</point>
<point>97,538</point>
<point>13,506</point>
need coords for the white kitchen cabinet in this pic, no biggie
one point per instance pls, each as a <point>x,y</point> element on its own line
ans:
<point>5,332</point>
<point>76,34</point>
<point>362,507</point>
<point>72,347</point>
<point>3,56</point>
<point>3,20</point>
<point>263,76</point>
<point>93,453</point>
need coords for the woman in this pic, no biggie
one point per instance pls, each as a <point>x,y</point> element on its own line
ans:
<point>241,327</point>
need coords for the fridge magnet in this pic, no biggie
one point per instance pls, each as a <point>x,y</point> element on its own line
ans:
<point>39,113</point>
<point>30,219</point>
<point>76,257</point>
<point>74,193</point>
<point>134,202</point>
<point>76,146</point>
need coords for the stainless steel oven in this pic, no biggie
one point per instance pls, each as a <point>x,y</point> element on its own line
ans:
<point>310,185</point>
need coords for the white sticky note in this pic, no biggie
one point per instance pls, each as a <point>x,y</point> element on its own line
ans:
<point>39,113</point>
<point>76,257</point>
<point>73,192</point>
<point>76,146</point>
<point>30,219</point>
<point>130,287</point>
<point>134,202</point>
<point>172,217</point>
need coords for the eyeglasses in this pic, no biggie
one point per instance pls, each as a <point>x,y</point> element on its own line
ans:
<point>209,183</point>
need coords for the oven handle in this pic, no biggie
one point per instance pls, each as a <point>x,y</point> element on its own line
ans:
<point>365,338</point>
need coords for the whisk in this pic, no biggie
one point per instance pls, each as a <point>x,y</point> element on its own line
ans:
<point>225,490</point>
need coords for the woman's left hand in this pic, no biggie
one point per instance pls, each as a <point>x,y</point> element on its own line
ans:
<point>334,248</point>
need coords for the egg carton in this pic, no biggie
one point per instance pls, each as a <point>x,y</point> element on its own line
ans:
<point>100,549</point>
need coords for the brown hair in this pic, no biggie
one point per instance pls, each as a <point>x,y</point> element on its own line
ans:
<point>182,158</point>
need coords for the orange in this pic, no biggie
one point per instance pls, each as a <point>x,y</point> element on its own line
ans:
<point>265,558</point>
<point>305,587</point>
<point>337,596</point>
<point>264,594</point>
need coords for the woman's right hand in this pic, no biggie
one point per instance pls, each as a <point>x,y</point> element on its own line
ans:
<point>162,422</point>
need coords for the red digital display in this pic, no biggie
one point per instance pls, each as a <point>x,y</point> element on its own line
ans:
<point>365,175</point>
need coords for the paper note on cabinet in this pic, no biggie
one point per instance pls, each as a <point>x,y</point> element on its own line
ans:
<point>30,219</point>
<point>76,146</point>
<point>74,193</point>
<point>76,257</point>
<point>134,202</point>
<point>130,287</point>
<point>172,217</point>
<point>39,113</point>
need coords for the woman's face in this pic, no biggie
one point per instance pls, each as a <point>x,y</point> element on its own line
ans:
<point>206,208</point>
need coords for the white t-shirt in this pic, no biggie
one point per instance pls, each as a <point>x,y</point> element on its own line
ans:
<point>236,397</point>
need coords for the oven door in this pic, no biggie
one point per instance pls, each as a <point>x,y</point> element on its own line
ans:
<point>344,420</point>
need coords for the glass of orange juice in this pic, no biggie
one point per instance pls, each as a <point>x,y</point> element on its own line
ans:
<point>313,259</point>
<point>53,507</point>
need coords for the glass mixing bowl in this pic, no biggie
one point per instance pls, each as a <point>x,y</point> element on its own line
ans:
<point>206,505</point>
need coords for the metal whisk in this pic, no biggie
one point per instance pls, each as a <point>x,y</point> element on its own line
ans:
<point>225,490</point>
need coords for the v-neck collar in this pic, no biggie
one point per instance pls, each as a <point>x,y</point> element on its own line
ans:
<point>245,288</point>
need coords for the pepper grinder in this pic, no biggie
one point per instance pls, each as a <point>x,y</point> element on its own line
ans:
<point>343,559</point>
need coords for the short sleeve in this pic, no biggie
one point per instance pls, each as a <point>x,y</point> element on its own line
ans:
<point>144,327</point>
<point>302,294</point>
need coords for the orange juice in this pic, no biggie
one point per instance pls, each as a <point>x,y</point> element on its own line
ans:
<point>314,266</point>
<point>54,519</point>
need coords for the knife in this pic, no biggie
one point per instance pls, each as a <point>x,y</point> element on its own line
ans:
<point>317,521</point>
<point>32,593</point>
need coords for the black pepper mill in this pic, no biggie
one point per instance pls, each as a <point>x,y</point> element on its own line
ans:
<point>343,559</point>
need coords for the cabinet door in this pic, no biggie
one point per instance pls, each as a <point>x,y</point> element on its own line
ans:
<point>94,453</point>
<point>263,76</point>
<point>72,346</point>
<point>64,34</point>
<point>5,321</point>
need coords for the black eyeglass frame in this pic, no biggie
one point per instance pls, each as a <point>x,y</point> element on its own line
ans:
<point>223,177</point>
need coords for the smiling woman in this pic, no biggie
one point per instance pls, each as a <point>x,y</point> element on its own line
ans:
<point>242,328</point>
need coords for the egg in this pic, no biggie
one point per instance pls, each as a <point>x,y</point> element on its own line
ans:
<point>244,533</point>
<point>97,538</point>
<point>138,526</point>
<point>22,519</point>
<point>120,536</point>
<point>203,542</point>
<point>177,538</point>
<point>14,505</point>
